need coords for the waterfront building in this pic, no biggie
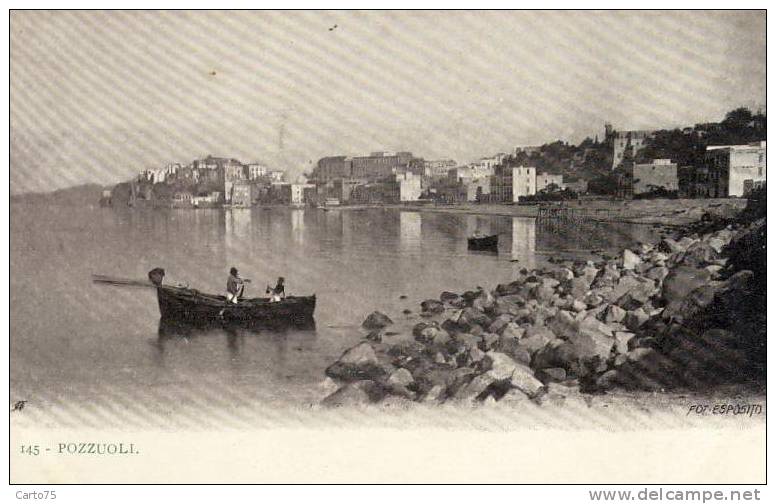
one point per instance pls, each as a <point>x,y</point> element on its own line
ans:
<point>409,186</point>
<point>545,180</point>
<point>732,169</point>
<point>241,193</point>
<point>508,184</point>
<point>276,176</point>
<point>331,168</point>
<point>256,171</point>
<point>660,173</point>
<point>379,165</point>
<point>435,168</point>
<point>622,141</point>
<point>642,178</point>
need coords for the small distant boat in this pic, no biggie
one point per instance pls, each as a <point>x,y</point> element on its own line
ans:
<point>483,242</point>
<point>198,308</point>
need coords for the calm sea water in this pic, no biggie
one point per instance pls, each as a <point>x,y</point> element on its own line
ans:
<point>98,347</point>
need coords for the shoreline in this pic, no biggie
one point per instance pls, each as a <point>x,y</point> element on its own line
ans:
<point>639,322</point>
<point>667,212</point>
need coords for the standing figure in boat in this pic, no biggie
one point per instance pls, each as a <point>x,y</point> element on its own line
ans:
<point>234,286</point>
<point>279,292</point>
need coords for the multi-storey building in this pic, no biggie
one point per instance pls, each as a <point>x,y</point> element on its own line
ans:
<point>438,167</point>
<point>379,165</point>
<point>623,141</point>
<point>331,168</point>
<point>732,169</point>
<point>508,184</point>
<point>255,171</point>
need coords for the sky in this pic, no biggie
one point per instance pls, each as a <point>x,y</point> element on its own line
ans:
<point>100,96</point>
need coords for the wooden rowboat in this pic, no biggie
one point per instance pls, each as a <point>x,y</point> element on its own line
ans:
<point>198,308</point>
<point>483,242</point>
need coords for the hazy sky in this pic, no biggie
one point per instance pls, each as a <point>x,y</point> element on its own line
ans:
<point>98,97</point>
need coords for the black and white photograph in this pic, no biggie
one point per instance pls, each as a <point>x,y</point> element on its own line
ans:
<point>388,246</point>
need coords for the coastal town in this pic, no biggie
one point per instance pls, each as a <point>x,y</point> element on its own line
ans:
<point>709,160</point>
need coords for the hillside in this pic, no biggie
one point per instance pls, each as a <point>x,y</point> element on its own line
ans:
<point>80,195</point>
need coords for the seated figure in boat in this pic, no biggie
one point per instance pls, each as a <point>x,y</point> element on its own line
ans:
<point>234,286</point>
<point>278,293</point>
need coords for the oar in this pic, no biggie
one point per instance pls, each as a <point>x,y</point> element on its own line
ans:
<point>127,282</point>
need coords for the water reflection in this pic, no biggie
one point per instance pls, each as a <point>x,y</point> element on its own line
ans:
<point>173,334</point>
<point>410,226</point>
<point>297,225</point>
<point>478,224</point>
<point>524,241</point>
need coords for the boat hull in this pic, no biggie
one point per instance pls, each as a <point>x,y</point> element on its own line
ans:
<point>196,308</point>
<point>484,243</point>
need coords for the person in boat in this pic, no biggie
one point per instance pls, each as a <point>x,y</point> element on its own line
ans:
<point>234,286</point>
<point>279,292</point>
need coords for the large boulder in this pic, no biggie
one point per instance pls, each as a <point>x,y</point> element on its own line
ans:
<point>699,254</point>
<point>357,363</point>
<point>473,316</point>
<point>578,287</point>
<point>634,319</point>
<point>630,260</point>
<point>432,335</point>
<point>536,338</point>
<point>636,288</point>
<point>695,301</point>
<point>607,277</point>
<point>613,313</point>
<point>669,246</point>
<point>680,282</point>
<point>504,368</point>
<point>358,393</point>
<point>432,306</point>
<point>622,341</point>
<point>376,320</point>
<point>658,273</point>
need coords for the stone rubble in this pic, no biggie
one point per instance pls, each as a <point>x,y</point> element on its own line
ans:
<point>644,320</point>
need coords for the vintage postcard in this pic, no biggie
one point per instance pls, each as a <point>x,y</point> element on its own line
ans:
<point>387,247</point>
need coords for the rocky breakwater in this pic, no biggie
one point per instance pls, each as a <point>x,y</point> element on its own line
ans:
<point>668,315</point>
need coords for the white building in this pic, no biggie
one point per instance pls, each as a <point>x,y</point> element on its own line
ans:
<point>523,182</point>
<point>733,167</point>
<point>256,170</point>
<point>409,186</point>
<point>508,184</point>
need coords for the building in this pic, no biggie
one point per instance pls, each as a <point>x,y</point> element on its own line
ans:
<point>643,178</point>
<point>437,168</point>
<point>379,165</point>
<point>660,173</point>
<point>545,180</point>
<point>255,171</point>
<point>508,184</point>
<point>241,193</point>
<point>409,186</point>
<point>528,150</point>
<point>276,176</point>
<point>734,168</point>
<point>331,168</point>
<point>623,141</point>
